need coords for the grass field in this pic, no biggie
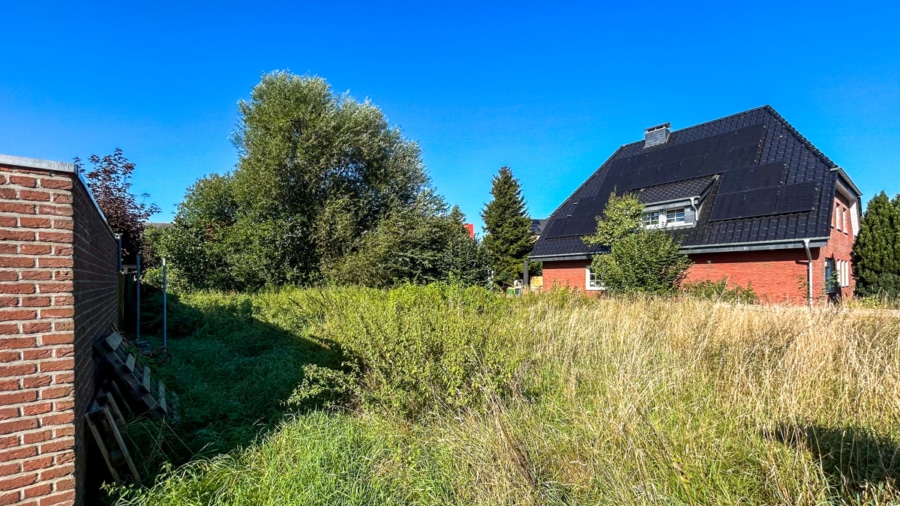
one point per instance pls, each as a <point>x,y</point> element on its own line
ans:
<point>443,395</point>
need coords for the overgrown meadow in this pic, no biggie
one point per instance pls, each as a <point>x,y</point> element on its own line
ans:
<point>447,395</point>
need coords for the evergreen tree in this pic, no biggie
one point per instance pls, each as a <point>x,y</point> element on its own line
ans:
<point>508,240</point>
<point>876,252</point>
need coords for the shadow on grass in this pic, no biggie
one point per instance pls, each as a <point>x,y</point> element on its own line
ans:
<point>232,372</point>
<point>853,459</point>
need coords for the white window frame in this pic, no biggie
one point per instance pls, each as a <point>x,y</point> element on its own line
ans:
<point>663,222</point>
<point>588,286</point>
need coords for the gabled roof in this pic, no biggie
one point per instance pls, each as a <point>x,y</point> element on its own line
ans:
<point>759,185</point>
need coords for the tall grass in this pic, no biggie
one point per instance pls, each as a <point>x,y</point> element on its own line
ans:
<point>463,397</point>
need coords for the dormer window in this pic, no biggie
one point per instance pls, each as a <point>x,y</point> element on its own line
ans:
<point>671,217</point>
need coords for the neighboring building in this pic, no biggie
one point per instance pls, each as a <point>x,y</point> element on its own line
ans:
<point>751,199</point>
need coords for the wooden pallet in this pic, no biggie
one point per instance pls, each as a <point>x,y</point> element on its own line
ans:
<point>110,442</point>
<point>130,380</point>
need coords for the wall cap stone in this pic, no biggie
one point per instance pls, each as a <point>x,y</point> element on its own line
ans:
<point>34,163</point>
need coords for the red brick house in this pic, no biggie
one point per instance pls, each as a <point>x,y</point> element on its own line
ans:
<point>750,198</point>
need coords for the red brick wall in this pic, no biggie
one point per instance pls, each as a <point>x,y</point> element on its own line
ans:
<point>569,274</point>
<point>96,307</point>
<point>45,350</point>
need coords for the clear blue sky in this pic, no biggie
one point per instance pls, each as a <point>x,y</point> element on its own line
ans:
<point>550,90</point>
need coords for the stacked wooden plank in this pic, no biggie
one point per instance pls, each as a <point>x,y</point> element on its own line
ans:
<point>125,391</point>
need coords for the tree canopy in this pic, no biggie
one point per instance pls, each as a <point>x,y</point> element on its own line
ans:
<point>109,181</point>
<point>320,188</point>
<point>639,259</point>
<point>508,240</point>
<point>876,252</point>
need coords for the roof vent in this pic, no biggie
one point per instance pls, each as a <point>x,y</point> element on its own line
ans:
<point>657,135</point>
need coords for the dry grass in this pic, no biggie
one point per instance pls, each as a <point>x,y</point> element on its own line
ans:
<point>647,401</point>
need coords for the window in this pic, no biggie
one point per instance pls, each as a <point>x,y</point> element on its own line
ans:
<point>837,216</point>
<point>592,280</point>
<point>665,218</point>
<point>650,219</point>
<point>674,216</point>
<point>844,218</point>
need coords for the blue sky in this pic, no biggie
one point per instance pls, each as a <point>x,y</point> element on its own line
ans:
<point>549,90</point>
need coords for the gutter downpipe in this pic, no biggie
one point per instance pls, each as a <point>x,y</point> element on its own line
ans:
<point>809,270</point>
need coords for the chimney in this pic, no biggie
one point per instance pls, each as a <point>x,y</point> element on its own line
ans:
<point>654,136</point>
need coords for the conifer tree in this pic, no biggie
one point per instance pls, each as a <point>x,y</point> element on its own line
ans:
<point>876,252</point>
<point>508,240</point>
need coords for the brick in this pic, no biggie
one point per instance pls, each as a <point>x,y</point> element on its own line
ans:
<point>18,481</point>
<point>7,413</point>
<point>36,381</point>
<point>9,328</point>
<point>60,326</point>
<point>45,262</point>
<point>8,442</point>
<point>56,392</point>
<point>64,378</point>
<point>34,195</point>
<point>55,287</point>
<point>64,497</point>
<point>17,288</point>
<point>15,207</point>
<point>36,327</point>
<point>57,472</point>
<point>10,498</point>
<point>9,356</point>
<point>36,249</point>
<point>37,275</point>
<point>60,419</point>
<point>63,224</point>
<point>8,221</point>
<point>17,426</point>
<point>11,468</point>
<point>38,490</point>
<point>57,365</point>
<point>18,453</point>
<point>37,437</point>
<point>16,235</point>
<point>16,261</point>
<point>35,301</point>
<point>38,463</point>
<point>17,314</point>
<point>56,184</point>
<point>7,385</point>
<point>28,182</point>
<point>62,275</point>
<point>61,338</point>
<point>36,354</point>
<point>63,405</point>
<point>9,301</point>
<point>27,222</point>
<point>58,445</point>
<point>62,198</point>
<point>63,250</point>
<point>63,300</point>
<point>7,371</point>
<point>63,312</point>
<point>37,409</point>
<point>64,457</point>
<point>47,210</point>
<point>65,237</point>
<point>9,276</point>
<point>7,193</point>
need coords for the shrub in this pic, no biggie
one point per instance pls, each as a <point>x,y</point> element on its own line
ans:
<point>718,290</point>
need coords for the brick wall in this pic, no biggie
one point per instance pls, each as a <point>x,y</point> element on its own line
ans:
<point>45,349</point>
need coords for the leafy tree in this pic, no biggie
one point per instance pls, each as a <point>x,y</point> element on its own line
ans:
<point>109,181</point>
<point>639,259</point>
<point>876,252</point>
<point>509,239</point>
<point>420,244</point>
<point>317,173</point>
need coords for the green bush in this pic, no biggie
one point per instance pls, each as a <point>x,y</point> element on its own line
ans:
<point>718,290</point>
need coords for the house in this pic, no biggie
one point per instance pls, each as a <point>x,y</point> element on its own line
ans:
<point>751,199</point>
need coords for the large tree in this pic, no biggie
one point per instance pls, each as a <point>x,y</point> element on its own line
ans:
<point>639,259</point>
<point>109,181</point>
<point>508,240</point>
<point>876,252</point>
<point>321,180</point>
